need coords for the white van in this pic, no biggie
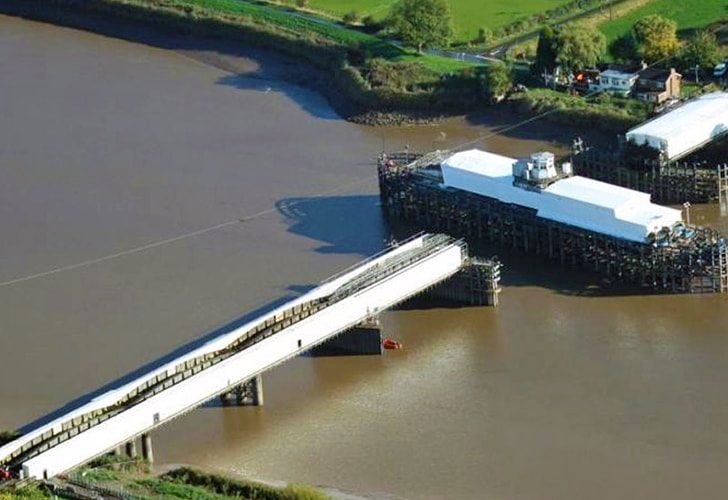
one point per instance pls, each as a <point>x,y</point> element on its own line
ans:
<point>720,70</point>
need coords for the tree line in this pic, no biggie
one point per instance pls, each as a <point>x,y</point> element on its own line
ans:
<point>653,40</point>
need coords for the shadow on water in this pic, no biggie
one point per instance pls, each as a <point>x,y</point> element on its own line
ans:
<point>526,270</point>
<point>257,81</point>
<point>355,225</point>
<point>345,224</point>
<point>261,68</point>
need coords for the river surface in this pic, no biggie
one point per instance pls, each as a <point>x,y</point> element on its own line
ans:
<point>108,145</point>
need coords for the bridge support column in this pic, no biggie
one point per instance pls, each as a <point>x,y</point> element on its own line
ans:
<point>147,452</point>
<point>259,391</point>
<point>248,393</point>
<point>131,450</point>
<point>363,339</point>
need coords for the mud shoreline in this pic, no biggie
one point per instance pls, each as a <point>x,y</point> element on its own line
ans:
<point>224,53</point>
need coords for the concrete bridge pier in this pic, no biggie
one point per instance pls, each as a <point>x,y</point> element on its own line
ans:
<point>147,452</point>
<point>363,339</point>
<point>131,449</point>
<point>248,393</point>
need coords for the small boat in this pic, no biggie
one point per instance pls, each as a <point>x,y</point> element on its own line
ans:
<point>388,343</point>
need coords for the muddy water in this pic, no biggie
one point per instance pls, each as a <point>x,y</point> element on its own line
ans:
<point>107,145</point>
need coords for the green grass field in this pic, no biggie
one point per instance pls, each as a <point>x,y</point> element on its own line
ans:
<point>689,14</point>
<point>298,24</point>
<point>468,15</point>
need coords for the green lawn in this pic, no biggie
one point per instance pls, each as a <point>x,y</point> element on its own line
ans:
<point>689,14</point>
<point>469,15</point>
<point>337,34</point>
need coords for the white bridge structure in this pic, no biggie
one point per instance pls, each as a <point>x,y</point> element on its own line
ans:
<point>135,408</point>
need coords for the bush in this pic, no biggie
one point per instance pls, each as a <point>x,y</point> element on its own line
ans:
<point>31,492</point>
<point>301,3</point>
<point>351,17</point>
<point>396,76</point>
<point>484,35</point>
<point>235,488</point>
<point>602,111</point>
<point>497,81</point>
<point>371,25</point>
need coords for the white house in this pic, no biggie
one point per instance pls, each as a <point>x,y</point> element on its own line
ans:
<point>617,79</point>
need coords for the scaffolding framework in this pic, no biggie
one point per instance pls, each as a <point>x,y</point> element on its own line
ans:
<point>476,284</point>
<point>414,192</point>
<point>668,183</point>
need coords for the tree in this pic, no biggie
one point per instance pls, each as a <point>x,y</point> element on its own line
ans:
<point>577,47</point>
<point>422,23</point>
<point>701,50</point>
<point>545,52</point>
<point>498,80</point>
<point>655,38</point>
<point>484,35</point>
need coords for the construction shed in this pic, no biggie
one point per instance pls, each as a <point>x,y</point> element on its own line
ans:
<point>576,201</point>
<point>685,129</point>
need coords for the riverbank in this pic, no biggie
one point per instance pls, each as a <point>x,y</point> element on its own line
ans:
<point>366,80</point>
<point>332,61</point>
<point>117,477</point>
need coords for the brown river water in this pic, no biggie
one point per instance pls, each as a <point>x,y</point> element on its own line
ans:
<point>108,145</point>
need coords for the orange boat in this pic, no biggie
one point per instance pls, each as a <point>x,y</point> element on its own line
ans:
<point>388,343</point>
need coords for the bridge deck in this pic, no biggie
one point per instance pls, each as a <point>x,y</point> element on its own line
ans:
<point>197,376</point>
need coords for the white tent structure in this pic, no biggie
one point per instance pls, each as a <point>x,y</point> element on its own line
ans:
<point>576,201</point>
<point>686,128</point>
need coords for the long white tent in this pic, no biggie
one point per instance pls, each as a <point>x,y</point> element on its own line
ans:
<point>686,128</point>
<point>577,201</point>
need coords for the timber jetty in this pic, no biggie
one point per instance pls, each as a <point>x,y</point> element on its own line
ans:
<point>535,206</point>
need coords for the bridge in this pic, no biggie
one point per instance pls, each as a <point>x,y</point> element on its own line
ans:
<point>117,417</point>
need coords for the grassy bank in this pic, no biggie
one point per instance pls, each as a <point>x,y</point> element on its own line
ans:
<point>115,477</point>
<point>220,485</point>
<point>601,111</point>
<point>361,74</point>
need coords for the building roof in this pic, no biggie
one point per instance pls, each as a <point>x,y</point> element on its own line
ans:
<point>629,69</point>
<point>657,74</point>
<point>685,128</point>
<point>610,73</point>
<point>576,201</point>
<point>592,192</point>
